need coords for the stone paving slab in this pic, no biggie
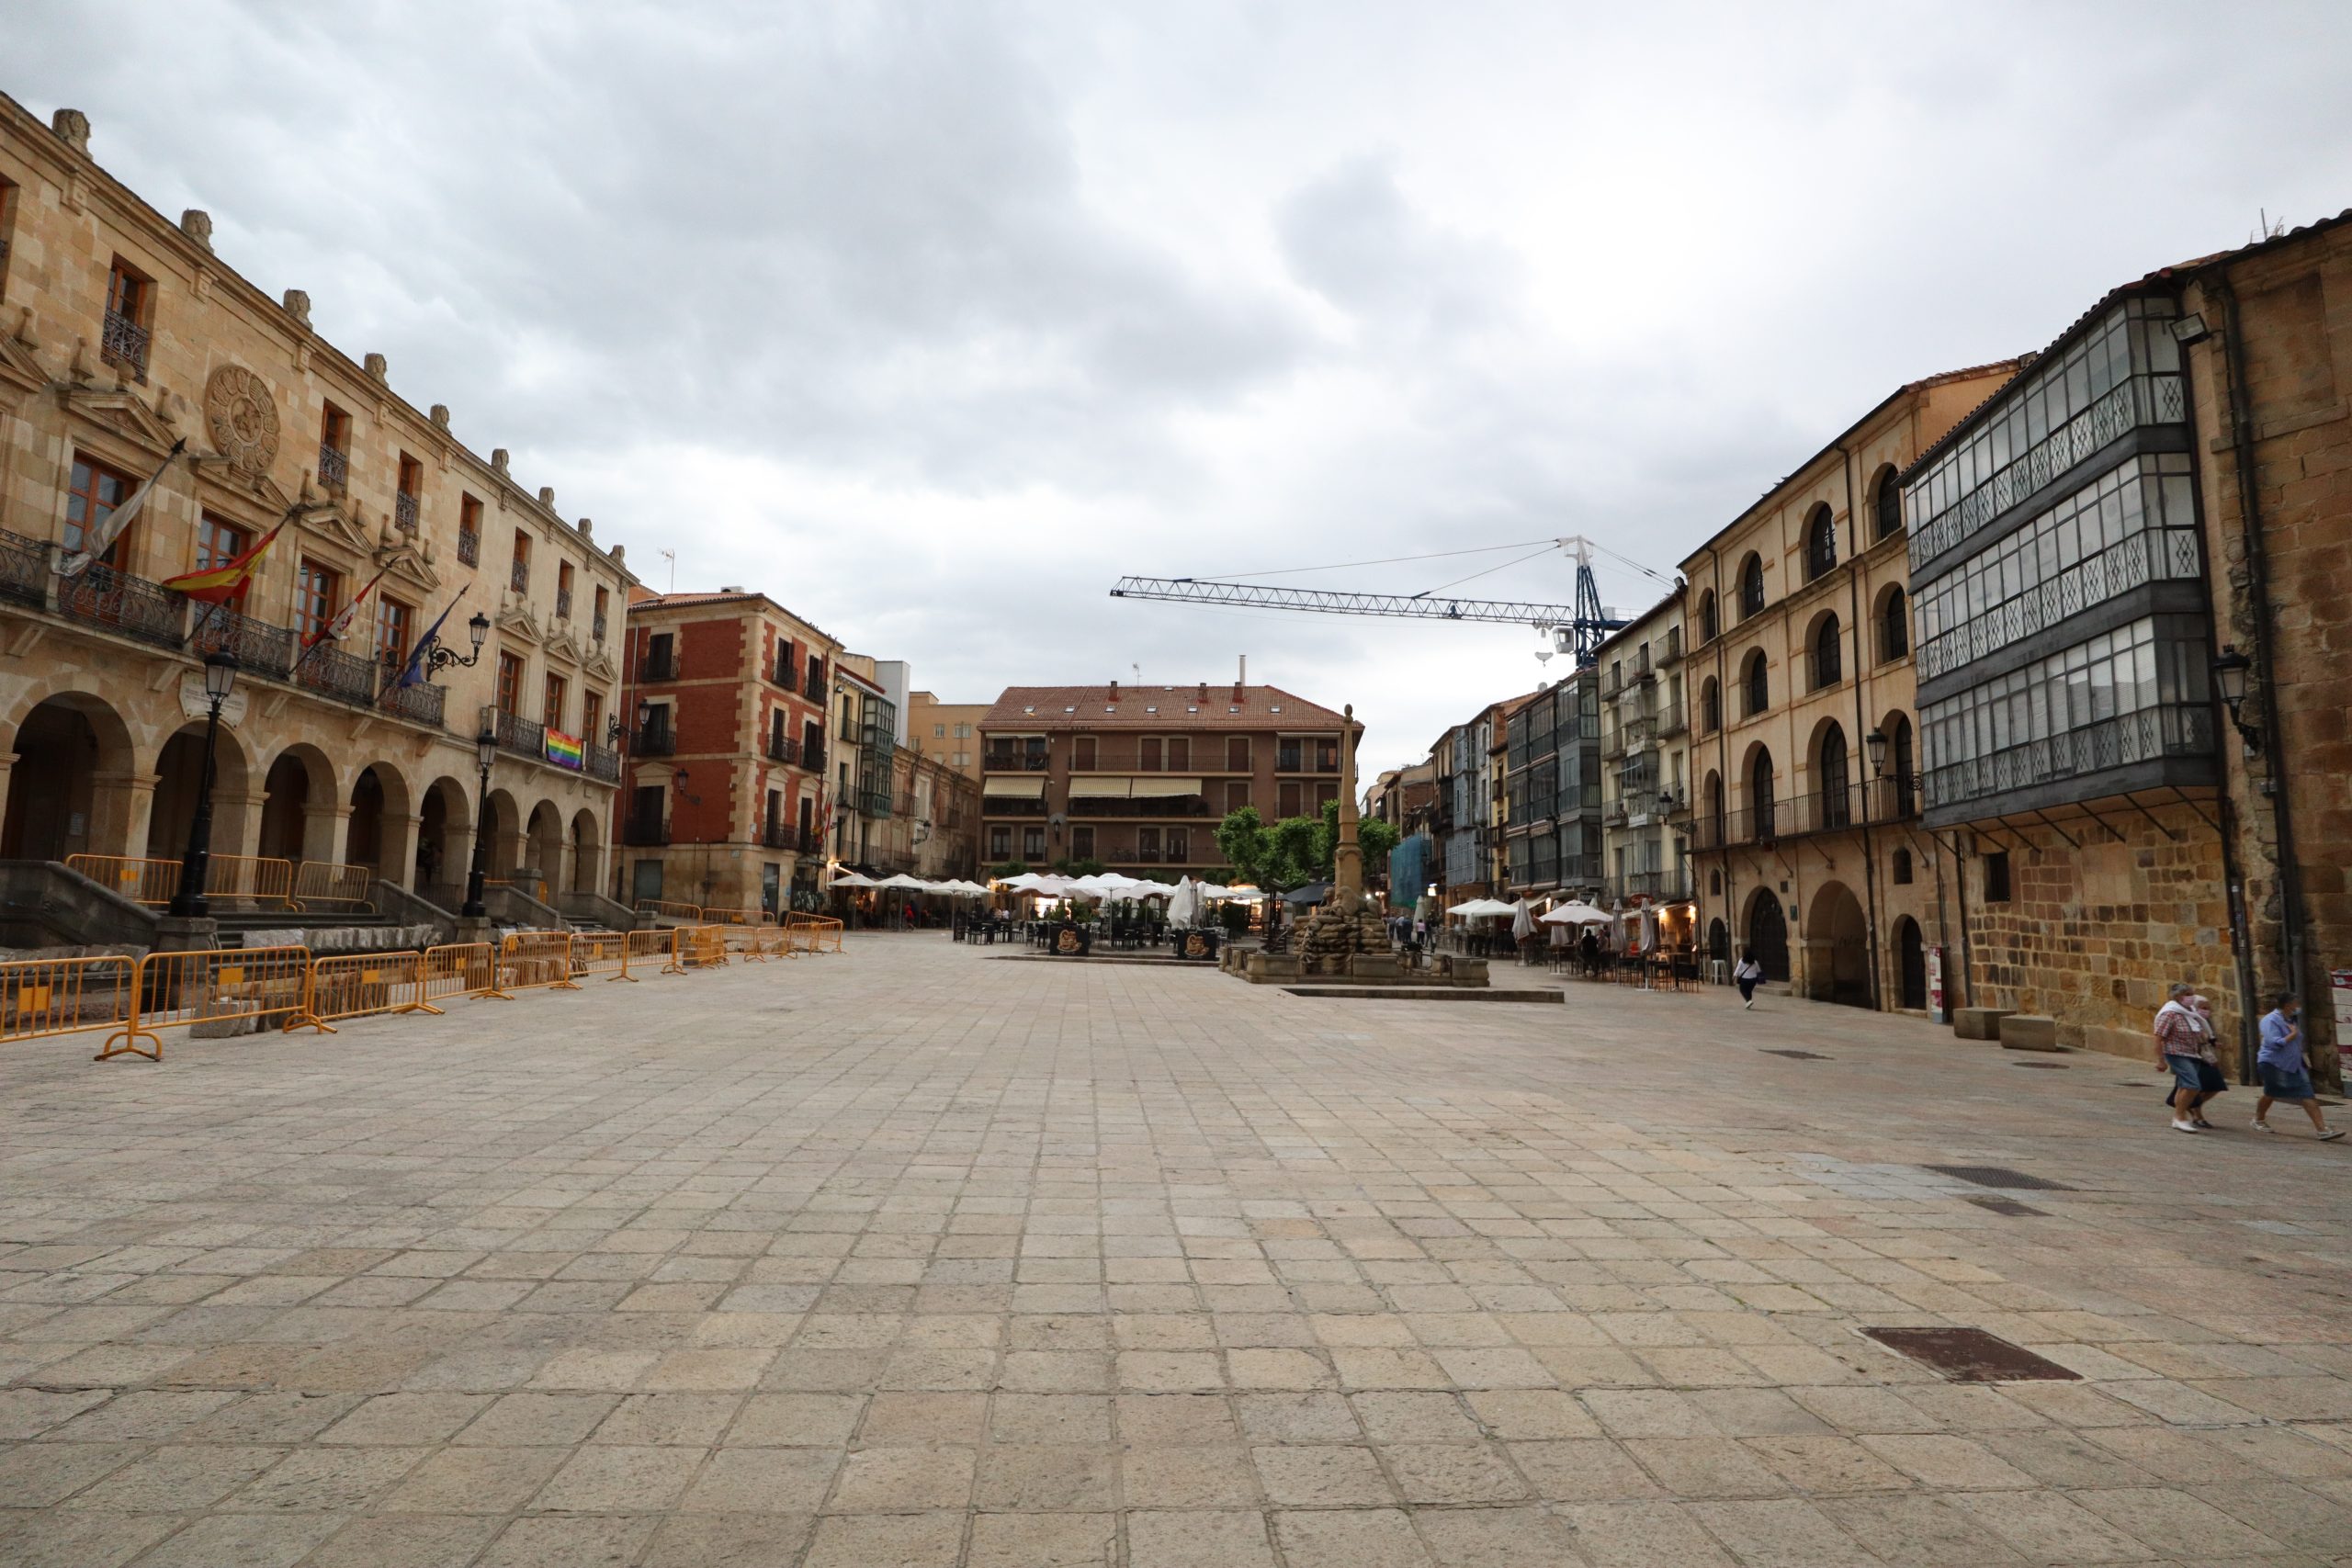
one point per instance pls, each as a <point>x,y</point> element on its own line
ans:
<point>904,1256</point>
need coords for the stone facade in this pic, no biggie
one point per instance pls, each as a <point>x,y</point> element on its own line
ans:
<point>122,334</point>
<point>947,731</point>
<point>1805,845</point>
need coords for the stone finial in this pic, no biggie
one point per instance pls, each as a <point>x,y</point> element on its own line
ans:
<point>197,224</point>
<point>298,305</point>
<point>73,127</point>
<point>619,553</point>
<point>587,528</point>
<point>547,497</point>
<point>376,365</point>
<point>498,460</point>
<point>440,413</point>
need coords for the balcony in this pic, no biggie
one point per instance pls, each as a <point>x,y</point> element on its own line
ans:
<point>815,688</point>
<point>658,663</point>
<point>1610,684</point>
<point>780,749</point>
<point>331,672</point>
<point>1670,720</point>
<point>563,603</point>
<point>518,577</point>
<point>600,762</point>
<point>124,342</point>
<point>335,467</point>
<point>523,737</point>
<point>1672,651</point>
<point>596,628</point>
<point>873,802</point>
<point>121,602</point>
<point>1014,762</point>
<point>1100,807</point>
<point>1892,799</point>
<point>654,740</point>
<point>812,756</point>
<point>420,704</point>
<point>784,674</point>
<point>468,546</point>
<point>644,832</point>
<point>1613,743</point>
<point>405,512</point>
<point>779,836</point>
<point>810,841</point>
<point>257,646</point>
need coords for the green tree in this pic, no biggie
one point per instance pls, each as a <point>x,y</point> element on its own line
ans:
<point>1241,839</point>
<point>1069,867</point>
<point>1010,868</point>
<point>1374,839</point>
<point>1291,858</point>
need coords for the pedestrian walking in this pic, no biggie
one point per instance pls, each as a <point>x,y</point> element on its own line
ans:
<point>2184,1044</point>
<point>1749,975</point>
<point>2281,1067</point>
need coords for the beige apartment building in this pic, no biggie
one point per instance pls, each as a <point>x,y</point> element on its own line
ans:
<point>1644,760</point>
<point>123,335</point>
<point>947,731</point>
<point>1803,749</point>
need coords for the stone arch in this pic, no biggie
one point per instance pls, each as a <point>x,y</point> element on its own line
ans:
<point>1719,940</point>
<point>1820,543</point>
<point>1709,622</point>
<point>1711,706</point>
<point>1910,964</point>
<point>1711,801</point>
<point>505,828</point>
<point>445,838</point>
<point>1900,775</point>
<point>383,822</point>
<point>301,809</point>
<point>1766,929</point>
<point>1751,585</point>
<point>587,853</point>
<point>1762,785</point>
<point>179,782</point>
<point>1837,947</point>
<point>1755,683</point>
<point>543,840</point>
<point>1886,503</point>
<point>71,779</point>
<point>1891,622</point>
<point>1825,651</point>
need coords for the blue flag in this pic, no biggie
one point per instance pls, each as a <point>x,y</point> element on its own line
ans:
<point>412,674</point>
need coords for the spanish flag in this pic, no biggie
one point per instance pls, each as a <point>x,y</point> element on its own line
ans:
<point>218,585</point>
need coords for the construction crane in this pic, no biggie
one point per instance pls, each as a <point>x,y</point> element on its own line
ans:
<point>1576,628</point>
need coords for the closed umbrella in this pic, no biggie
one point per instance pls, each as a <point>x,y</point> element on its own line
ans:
<point>1522,925</point>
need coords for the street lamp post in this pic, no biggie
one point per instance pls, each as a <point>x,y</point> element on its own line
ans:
<point>187,900</point>
<point>485,751</point>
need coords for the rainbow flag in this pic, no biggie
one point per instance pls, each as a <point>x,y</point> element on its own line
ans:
<point>564,749</point>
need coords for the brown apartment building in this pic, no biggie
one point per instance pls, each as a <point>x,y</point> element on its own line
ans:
<point>1139,777</point>
<point>724,798</point>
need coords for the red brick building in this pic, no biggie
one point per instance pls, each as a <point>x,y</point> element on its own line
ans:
<point>723,790</point>
<point>1139,777</point>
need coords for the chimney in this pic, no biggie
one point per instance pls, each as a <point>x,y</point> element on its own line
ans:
<point>1204,693</point>
<point>1114,691</point>
<point>1240,679</point>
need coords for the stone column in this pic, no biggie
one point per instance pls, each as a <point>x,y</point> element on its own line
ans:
<point>1347,860</point>
<point>121,801</point>
<point>326,831</point>
<point>236,821</point>
<point>396,854</point>
<point>1816,971</point>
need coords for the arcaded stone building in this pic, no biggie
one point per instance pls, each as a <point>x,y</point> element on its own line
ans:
<point>2164,498</point>
<point>1806,845</point>
<point>122,335</point>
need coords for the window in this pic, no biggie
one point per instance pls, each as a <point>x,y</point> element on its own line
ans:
<point>317,589</point>
<point>563,590</point>
<point>1000,844</point>
<point>603,603</point>
<point>1751,587</point>
<point>1148,754</point>
<point>1146,843</point>
<point>1886,503</point>
<point>1895,625</point>
<point>1324,794</point>
<point>393,620</point>
<point>1830,779</point>
<point>1082,753</point>
<point>130,302</point>
<point>334,447</point>
<point>1758,685</point>
<point>1237,754</point>
<point>1707,615</point>
<point>409,494</point>
<point>1082,843</point>
<point>1710,708</point>
<point>470,530</point>
<point>1820,545</point>
<point>96,491</point>
<point>1902,868</point>
<point>1032,843</point>
<point>1287,798</point>
<point>1180,846</point>
<point>661,660</point>
<point>519,578</point>
<point>1287,755</point>
<point>1327,756</point>
<point>939,732</point>
<point>1760,793</point>
<point>1179,753</point>
<point>551,703</point>
<point>963,732</point>
<point>775,812</point>
<point>1237,794</point>
<point>1996,877</point>
<point>591,715</point>
<point>1828,661</point>
<point>510,684</point>
<point>219,542</point>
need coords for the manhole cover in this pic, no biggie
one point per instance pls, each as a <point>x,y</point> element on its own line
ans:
<point>1971,1355</point>
<point>2007,1206</point>
<point>1801,1055</point>
<point>1998,1176</point>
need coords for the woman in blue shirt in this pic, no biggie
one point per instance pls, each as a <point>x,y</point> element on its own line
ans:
<point>2280,1068</point>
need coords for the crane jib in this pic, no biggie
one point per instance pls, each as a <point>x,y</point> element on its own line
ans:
<point>1412,606</point>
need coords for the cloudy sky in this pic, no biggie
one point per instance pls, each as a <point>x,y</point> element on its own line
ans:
<point>933,319</point>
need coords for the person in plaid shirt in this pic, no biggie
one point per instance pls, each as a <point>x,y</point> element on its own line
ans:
<point>2184,1044</point>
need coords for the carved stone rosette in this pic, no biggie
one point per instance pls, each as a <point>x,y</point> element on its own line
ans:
<point>241,415</point>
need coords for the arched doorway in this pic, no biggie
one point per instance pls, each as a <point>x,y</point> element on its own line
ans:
<point>1719,940</point>
<point>65,748</point>
<point>1836,943</point>
<point>587,859</point>
<point>543,852</point>
<point>444,839</point>
<point>1767,935</point>
<point>363,845</point>
<point>284,802</point>
<point>506,827</point>
<point>179,784</point>
<point>1911,963</point>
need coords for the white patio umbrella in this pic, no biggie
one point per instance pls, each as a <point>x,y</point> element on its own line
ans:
<point>1523,926</point>
<point>913,884</point>
<point>852,879</point>
<point>1576,912</point>
<point>1184,903</point>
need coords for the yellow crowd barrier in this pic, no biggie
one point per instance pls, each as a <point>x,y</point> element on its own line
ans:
<point>259,880</point>
<point>644,947</point>
<point>529,885</point>
<point>318,884</point>
<point>533,959</point>
<point>142,881</point>
<point>462,969</point>
<point>664,909</point>
<point>701,947</point>
<point>59,996</point>
<point>755,944</point>
<point>815,933</point>
<point>356,984</point>
<point>209,986</point>
<point>600,953</point>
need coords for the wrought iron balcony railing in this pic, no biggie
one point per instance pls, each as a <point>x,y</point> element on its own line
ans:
<point>346,677</point>
<point>335,467</point>
<point>778,836</point>
<point>523,737</point>
<point>654,740</point>
<point>24,570</point>
<point>563,603</point>
<point>600,762</point>
<point>121,602</point>
<point>658,664</point>
<point>518,577</point>
<point>257,646</point>
<point>421,704</point>
<point>644,832</point>
<point>124,342</point>
<point>782,749</point>
<point>405,512</point>
<point>468,546</point>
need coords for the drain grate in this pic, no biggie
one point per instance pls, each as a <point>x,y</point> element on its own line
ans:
<point>2006,1205</point>
<point>2045,1066</point>
<point>1998,1176</point>
<point>1800,1055</point>
<point>1971,1355</point>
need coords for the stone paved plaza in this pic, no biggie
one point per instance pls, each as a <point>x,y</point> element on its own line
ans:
<point>926,1255</point>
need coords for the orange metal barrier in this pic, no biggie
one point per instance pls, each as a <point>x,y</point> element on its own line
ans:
<point>664,909</point>
<point>462,969</point>
<point>600,953</point>
<point>141,881</point>
<point>258,880</point>
<point>319,883</point>
<point>737,917</point>
<point>644,947</point>
<point>755,944</point>
<point>532,886</point>
<point>701,947</point>
<point>59,996</point>
<point>532,959</point>
<point>355,985</point>
<point>816,933</point>
<point>209,986</point>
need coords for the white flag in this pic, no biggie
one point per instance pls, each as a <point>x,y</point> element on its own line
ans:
<point>98,541</point>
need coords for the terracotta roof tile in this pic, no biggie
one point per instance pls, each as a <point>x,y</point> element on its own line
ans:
<point>1179,707</point>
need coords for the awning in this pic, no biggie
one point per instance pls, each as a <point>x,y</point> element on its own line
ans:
<point>1153,785</point>
<point>1100,786</point>
<point>1015,786</point>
